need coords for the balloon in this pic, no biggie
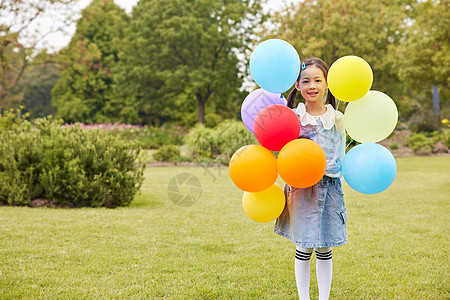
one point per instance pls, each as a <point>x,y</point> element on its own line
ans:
<point>369,168</point>
<point>301,163</point>
<point>275,126</point>
<point>264,206</point>
<point>349,78</point>
<point>275,65</point>
<point>253,168</point>
<point>256,101</point>
<point>372,118</point>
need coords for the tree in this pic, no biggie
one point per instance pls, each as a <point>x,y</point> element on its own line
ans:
<point>84,91</point>
<point>35,88</point>
<point>19,37</point>
<point>425,53</point>
<point>330,29</point>
<point>179,53</point>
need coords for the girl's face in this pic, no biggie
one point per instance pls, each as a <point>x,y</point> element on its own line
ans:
<point>312,84</point>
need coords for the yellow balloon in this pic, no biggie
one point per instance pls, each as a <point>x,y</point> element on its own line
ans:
<point>264,206</point>
<point>253,168</point>
<point>372,118</point>
<point>349,78</point>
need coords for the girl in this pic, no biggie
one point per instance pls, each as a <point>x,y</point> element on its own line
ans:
<point>315,217</point>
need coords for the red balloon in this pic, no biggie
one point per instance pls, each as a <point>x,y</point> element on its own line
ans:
<point>275,126</point>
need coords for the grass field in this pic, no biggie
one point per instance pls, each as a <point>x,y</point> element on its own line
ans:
<point>398,244</point>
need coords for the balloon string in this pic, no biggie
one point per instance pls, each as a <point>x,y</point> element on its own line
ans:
<point>351,141</point>
<point>339,102</point>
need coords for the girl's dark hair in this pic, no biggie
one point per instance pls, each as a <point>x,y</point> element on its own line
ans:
<point>322,66</point>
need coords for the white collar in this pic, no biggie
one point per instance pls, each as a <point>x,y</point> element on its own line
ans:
<point>327,118</point>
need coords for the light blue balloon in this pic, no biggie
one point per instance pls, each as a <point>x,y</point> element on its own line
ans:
<point>369,168</point>
<point>275,65</point>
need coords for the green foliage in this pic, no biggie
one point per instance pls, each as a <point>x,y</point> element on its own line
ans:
<point>201,141</point>
<point>87,63</point>
<point>423,122</point>
<point>424,61</point>
<point>423,142</point>
<point>19,38</point>
<point>394,146</point>
<point>67,165</point>
<point>445,138</point>
<point>36,86</point>
<point>180,56</point>
<point>331,29</point>
<point>12,117</point>
<point>424,52</point>
<point>167,153</point>
<point>219,142</point>
<point>230,135</point>
<point>150,137</point>
<point>404,41</point>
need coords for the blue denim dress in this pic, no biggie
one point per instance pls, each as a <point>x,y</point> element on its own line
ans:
<point>316,217</point>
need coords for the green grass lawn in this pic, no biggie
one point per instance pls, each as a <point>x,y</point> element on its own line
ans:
<point>154,249</point>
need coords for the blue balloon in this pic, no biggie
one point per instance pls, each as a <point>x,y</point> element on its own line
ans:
<point>275,65</point>
<point>369,168</point>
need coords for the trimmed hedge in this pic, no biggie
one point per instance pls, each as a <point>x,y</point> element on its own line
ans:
<point>69,166</point>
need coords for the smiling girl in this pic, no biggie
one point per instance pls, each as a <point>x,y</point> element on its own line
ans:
<point>314,218</point>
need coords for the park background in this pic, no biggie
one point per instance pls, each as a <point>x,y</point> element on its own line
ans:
<point>168,77</point>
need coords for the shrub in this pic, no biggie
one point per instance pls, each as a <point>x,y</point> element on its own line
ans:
<point>231,135</point>
<point>421,142</point>
<point>219,142</point>
<point>423,122</point>
<point>201,142</point>
<point>12,117</point>
<point>445,137</point>
<point>394,146</point>
<point>167,153</point>
<point>67,165</point>
<point>147,137</point>
<point>154,137</point>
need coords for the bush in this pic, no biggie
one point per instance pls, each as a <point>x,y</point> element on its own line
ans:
<point>154,138</point>
<point>394,146</point>
<point>147,137</point>
<point>423,122</point>
<point>201,142</point>
<point>445,137</point>
<point>421,142</point>
<point>12,117</point>
<point>220,142</point>
<point>231,135</point>
<point>167,153</point>
<point>68,165</point>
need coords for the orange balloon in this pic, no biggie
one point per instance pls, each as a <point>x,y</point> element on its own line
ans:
<point>253,168</point>
<point>301,163</point>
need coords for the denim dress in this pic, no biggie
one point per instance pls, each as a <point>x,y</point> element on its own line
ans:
<point>316,217</point>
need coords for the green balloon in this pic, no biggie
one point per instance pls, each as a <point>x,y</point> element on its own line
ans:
<point>371,118</point>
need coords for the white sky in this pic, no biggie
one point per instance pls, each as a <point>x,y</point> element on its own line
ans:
<point>56,40</point>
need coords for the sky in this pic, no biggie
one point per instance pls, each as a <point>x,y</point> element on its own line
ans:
<point>55,41</point>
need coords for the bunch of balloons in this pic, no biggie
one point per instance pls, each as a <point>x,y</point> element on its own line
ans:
<point>274,65</point>
<point>369,117</point>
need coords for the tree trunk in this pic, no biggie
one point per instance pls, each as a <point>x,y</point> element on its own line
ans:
<point>201,104</point>
<point>201,112</point>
